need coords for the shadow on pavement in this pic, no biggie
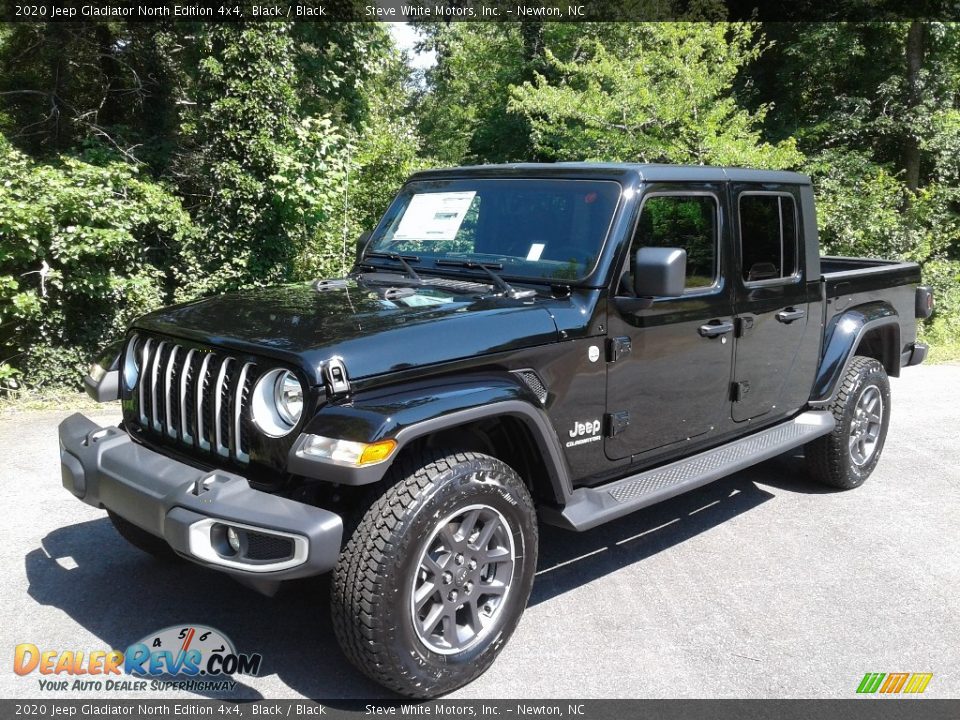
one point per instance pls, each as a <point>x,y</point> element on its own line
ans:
<point>570,559</point>
<point>120,595</point>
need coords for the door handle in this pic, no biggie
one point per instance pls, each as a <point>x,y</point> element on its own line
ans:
<point>790,314</point>
<point>715,329</point>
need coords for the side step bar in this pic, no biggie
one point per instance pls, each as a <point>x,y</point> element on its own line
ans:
<point>589,507</point>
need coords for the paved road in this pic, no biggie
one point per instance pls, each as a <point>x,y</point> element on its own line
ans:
<point>760,585</point>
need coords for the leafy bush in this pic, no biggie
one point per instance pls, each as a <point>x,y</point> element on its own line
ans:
<point>268,185</point>
<point>84,249</point>
<point>865,211</point>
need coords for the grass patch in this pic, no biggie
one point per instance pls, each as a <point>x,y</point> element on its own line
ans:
<point>39,400</point>
<point>944,352</point>
<point>943,337</point>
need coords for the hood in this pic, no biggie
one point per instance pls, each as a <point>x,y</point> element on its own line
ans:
<point>374,328</point>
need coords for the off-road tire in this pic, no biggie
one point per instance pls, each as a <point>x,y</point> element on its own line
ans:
<point>380,567</point>
<point>830,459</point>
<point>141,539</point>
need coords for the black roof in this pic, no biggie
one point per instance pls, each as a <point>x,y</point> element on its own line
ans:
<point>641,171</point>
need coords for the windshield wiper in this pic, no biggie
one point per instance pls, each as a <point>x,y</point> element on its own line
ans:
<point>404,260</point>
<point>501,284</point>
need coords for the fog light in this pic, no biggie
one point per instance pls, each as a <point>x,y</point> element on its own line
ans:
<point>234,539</point>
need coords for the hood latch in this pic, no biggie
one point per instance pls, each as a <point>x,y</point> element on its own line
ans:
<point>335,377</point>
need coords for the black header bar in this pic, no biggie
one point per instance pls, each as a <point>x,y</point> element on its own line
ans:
<point>477,10</point>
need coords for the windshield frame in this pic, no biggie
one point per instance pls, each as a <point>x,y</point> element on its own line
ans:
<point>466,182</point>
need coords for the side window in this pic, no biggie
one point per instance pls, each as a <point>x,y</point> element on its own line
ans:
<point>768,237</point>
<point>689,222</point>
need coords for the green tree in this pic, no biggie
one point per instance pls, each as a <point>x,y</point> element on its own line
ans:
<point>84,249</point>
<point>464,108</point>
<point>658,93</point>
<point>261,179</point>
<point>65,87</point>
<point>876,106</point>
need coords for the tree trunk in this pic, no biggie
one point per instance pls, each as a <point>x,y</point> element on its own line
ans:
<point>533,47</point>
<point>915,51</point>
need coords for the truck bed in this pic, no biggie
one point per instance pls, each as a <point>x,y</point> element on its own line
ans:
<point>861,277</point>
<point>835,268</point>
<point>852,282</point>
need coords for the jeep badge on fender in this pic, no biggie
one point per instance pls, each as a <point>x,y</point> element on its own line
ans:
<point>578,341</point>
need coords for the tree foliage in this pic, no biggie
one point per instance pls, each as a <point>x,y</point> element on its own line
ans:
<point>84,249</point>
<point>265,178</point>
<point>660,93</point>
<point>146,163</point>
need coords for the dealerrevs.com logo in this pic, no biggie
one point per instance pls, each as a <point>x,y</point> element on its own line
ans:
<point>184,657</point>
<point>894,683</point>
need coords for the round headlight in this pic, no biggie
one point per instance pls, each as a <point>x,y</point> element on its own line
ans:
<point>131,366</point>
<point>277,402</point>
<point>289,397</point>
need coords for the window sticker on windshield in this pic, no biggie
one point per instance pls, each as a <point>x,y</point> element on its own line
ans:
<point>536,250</point>
<point>434,216</point>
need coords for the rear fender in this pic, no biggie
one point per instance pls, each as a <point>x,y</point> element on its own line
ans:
<point>419,409</point>
<point>843,335</point>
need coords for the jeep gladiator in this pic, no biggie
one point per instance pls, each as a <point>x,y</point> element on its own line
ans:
<point>515,345</point>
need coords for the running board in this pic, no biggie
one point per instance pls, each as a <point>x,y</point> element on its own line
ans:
<point>589,507</point>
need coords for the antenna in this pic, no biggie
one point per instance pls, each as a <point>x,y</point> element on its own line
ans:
<point>346,209</point>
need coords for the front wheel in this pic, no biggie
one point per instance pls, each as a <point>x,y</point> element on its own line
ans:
<point>845,458</point>
<point>436,575</point>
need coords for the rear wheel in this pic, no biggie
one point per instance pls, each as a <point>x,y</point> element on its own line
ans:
<point>434,578</point>
<point>141,539</point>
<point>846,457</point>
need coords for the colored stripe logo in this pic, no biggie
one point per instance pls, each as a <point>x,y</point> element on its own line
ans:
<point>894,683</point>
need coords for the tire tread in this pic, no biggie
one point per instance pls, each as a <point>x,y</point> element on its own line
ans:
<point>826,456</point>
<point>357,586</point>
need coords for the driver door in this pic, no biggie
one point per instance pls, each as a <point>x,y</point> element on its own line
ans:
<point>669,365</point>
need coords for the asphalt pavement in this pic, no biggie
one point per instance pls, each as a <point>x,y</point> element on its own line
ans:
<point>761,585</point>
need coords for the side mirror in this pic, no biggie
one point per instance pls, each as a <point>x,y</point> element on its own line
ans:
<point>362,244</point>
<point>660,272</point>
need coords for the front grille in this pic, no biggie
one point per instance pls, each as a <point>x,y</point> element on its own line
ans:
<point>196,397</point>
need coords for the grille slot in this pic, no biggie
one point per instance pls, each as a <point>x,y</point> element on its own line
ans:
<point>261,546</point>
<point>195,397</point>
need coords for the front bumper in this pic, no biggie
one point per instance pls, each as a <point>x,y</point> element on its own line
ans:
<point>192,508</point>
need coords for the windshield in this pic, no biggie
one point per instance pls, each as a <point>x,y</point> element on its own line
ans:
<point>550,230</point>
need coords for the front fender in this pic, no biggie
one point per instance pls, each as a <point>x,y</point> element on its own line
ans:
<point>418,409</point>
<point>843,335</point>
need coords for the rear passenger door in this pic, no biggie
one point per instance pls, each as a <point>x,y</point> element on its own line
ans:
<point>770,300</point>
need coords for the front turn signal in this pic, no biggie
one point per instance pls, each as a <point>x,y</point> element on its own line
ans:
<point>348,452</point>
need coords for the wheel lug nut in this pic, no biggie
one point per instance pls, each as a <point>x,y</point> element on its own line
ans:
<point>447,578</point>
<point>459,559</point>
<point>468,588</point>
<point>453,596</point>
<point>472,564</point>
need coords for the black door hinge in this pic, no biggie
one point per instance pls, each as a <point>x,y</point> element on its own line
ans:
<point>617,422</point>
<point>618,347</point>
<point>739,390</point>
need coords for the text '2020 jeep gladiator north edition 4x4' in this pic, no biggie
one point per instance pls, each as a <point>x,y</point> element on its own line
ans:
<point>570,342</point>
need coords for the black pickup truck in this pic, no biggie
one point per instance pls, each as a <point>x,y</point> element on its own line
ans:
<point>515,345</point>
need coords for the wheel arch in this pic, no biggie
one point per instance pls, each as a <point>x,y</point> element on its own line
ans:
<point>498,415</point>
<point>510,438</point>
<point>871,330</point>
